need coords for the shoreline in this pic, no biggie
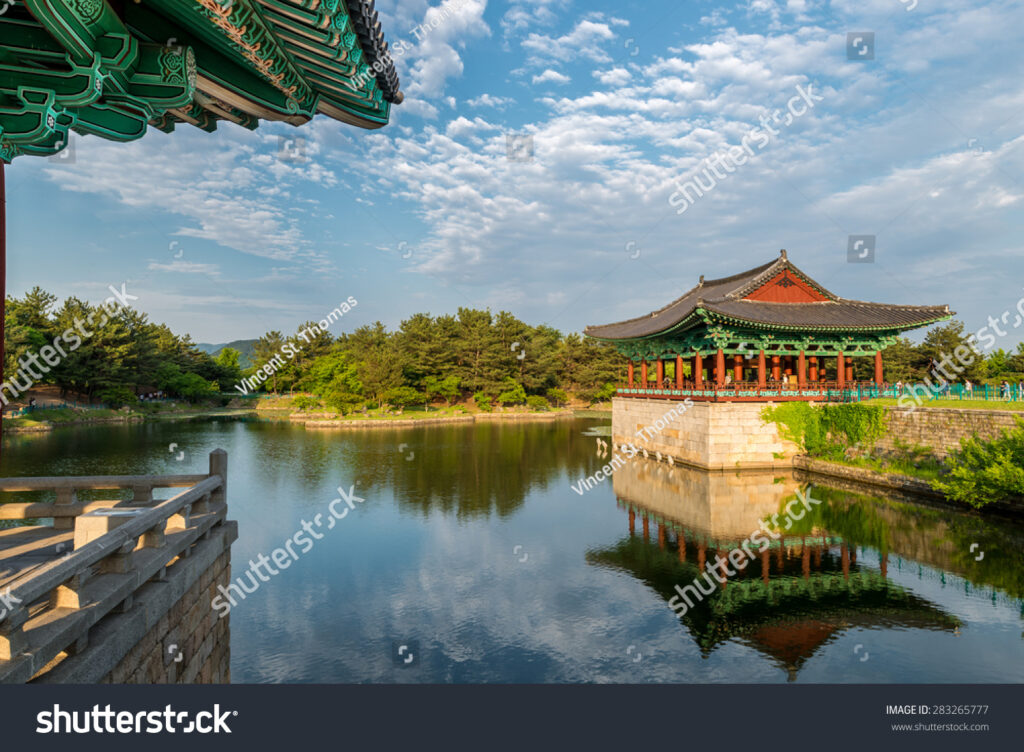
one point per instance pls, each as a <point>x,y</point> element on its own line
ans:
<point>329,424</point>
<point>896,485</point>
<point>47,426</point>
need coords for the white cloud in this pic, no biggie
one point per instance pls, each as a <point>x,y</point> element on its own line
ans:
<point>523,14</point>
<point>585,41</point>
<point>487,100</point>
<point>551,76</point>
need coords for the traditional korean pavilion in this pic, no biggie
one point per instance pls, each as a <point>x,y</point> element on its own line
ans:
<point>770,333</point>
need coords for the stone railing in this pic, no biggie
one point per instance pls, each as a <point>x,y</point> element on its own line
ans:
<point>119,546</point>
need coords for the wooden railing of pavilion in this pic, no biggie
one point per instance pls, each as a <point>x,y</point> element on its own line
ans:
<point>58,602</point>
<point>746,391</point>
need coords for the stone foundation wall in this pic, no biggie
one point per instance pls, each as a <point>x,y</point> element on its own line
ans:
<point>192,630</point>
<point>133,646</point>
<point>942,429</point>
<point>708,435</point>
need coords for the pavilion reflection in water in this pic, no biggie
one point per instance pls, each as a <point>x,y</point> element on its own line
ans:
<point>793,598</point>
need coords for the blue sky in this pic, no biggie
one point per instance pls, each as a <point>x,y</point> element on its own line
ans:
<point>227,235</point>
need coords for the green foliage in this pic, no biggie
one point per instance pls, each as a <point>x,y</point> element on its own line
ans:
<point>557,396</point>
<point>537,402</point>
<point>117,396</point>
<point>483,401</point>
<point>305,402</point>
<point>440,357</point>
<point>513,393</point>
<point>446,388</point>
<point>403,396</point>
<point>820,429</point>
<point>985,471</point>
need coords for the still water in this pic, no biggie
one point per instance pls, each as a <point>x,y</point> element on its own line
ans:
<point>472,550</point>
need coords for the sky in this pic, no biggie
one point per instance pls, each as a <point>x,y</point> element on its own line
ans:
<point>533,164</point>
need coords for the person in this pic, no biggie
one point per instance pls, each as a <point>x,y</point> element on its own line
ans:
<point>899,388</point>
<point>1005,389</point>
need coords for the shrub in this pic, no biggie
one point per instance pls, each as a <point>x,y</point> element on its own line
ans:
<point>537,402</point>
<point>513,393</point>
<point>117,396</point>
<point>305,402</point>
<point>403,396</point>
<point>483,401</point>
<point>557,396</point>
<point>985,471</point>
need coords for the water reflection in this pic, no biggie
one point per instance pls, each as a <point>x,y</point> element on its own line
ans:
<point>810,585</point>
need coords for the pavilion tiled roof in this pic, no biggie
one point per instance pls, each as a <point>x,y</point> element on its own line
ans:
<point>725,299</point>
<point>112,69</point>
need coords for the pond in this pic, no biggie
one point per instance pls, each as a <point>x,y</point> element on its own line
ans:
<point>471,549</point>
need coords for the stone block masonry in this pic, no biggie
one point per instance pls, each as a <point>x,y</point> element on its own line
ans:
<point>708,435</point>
<point>171,634</point>
<point>942,429</point>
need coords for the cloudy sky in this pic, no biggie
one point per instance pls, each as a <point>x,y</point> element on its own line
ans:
<point>531,168</point>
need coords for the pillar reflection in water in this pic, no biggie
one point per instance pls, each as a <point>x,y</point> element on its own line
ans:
<point>790,599</point>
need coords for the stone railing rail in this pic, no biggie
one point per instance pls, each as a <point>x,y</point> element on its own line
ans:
<point>67,506</point>
<point>55,605</point>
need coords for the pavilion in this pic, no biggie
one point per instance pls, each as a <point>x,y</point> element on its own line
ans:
<point>768,334</point>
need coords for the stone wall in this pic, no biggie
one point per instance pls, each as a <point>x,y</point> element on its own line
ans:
<point>134,646</point>
<point>942,429</point>
<point>189,645</point>
<point>708,435</point>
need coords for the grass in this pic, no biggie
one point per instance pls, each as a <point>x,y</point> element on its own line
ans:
<point>955,403</point>
<point>149,411</point>
<point>927,470</point>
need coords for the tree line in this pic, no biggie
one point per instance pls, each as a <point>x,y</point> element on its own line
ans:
<point>491,358</point>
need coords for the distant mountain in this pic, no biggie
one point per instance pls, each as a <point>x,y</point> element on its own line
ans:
<point>244,346</point>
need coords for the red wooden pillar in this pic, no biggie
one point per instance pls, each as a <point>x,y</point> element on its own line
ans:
<point>660,370</point>
<point>814,369</point>
<point>643,374</point>
<point>632,523</point>
<point>679,372</point>
<point>845,555</point>
<point>661,537</point>
<point>805,557</point>
<point>776,368</point>
<point>701,557</point>
<point>698,371</point>
<point>879,375</point>
<point>766,565</point>
<point>629,371</point>
<point>801,370</point>
<point>647,528</point>
<point>720,368</point>
<point>849,370</point>
<point>841,370</point>
<point>885,564</point>
<point>737,367</point>
<point>762,370</point>
<point>681,540</point>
